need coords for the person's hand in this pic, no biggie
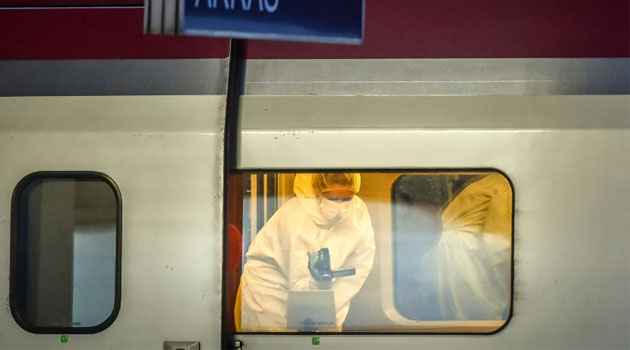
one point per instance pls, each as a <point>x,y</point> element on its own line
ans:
<point>319,265</point>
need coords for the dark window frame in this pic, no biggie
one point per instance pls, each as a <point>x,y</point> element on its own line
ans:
<point>15,200</point>
<point>391,170</point>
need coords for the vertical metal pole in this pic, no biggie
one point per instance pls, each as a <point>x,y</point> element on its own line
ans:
<point>235,85</point>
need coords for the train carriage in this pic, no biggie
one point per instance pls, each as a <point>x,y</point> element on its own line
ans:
<point>138,172</point>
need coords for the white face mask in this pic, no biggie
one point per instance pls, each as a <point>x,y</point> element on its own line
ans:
<point>332,210</point>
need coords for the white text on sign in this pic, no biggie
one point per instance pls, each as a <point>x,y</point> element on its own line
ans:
<point>269,6</point>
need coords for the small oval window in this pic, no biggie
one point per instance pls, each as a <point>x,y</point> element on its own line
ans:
<point>65,252</point>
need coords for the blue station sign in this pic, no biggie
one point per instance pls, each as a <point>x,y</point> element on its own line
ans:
<point>331,21</point>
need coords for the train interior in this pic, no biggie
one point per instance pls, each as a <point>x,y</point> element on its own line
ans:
<point>409,211</point>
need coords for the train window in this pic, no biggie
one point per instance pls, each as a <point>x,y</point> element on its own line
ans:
<point>451,241</point>
<point>375,252</point>
<point>65,252</point>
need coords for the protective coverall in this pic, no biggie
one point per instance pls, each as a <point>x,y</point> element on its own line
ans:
<point>277,260</point>
<point>471,261</point>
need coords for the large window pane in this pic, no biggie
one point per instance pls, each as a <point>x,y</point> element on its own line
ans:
<point>65,268</point>
<point>372,252</point>
<point>451,242</point>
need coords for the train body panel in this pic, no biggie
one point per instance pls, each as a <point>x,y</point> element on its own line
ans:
<point>163,153</point>
<point>565,157</point>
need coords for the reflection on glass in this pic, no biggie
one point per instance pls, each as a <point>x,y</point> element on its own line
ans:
<point>370,252</point>
<point>452,247</point>
<point>66,239</point>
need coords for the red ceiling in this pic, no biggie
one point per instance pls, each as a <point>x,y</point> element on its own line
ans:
<point>94,34</point>
<point>394,29</point>
<point>479,28</point>
<point>24,3</point>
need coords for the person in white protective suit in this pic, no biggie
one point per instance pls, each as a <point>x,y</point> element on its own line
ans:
<point>325,213</point>
<point>471,260</point>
